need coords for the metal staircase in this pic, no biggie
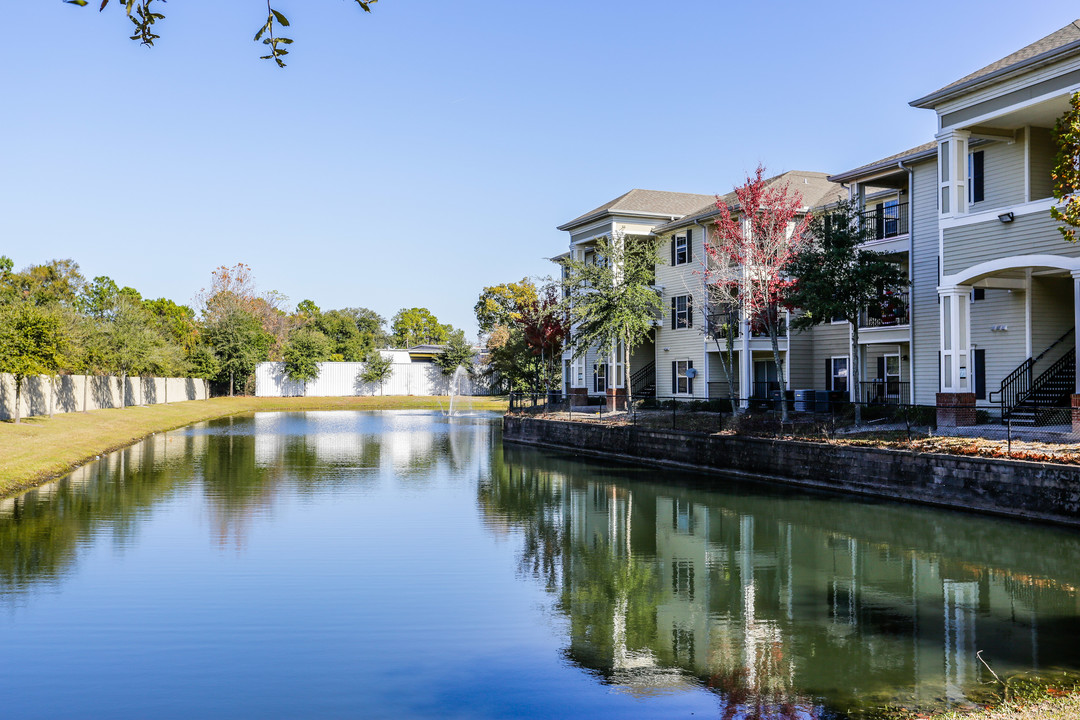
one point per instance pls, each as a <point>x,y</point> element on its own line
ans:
<point>643,382</point>
<point>1028,400</point>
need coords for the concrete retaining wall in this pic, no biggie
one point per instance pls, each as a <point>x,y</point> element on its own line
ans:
<point>75,393</point>
<point>1015,488</point>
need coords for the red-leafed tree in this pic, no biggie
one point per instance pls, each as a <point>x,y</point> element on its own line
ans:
<point>749,251</point>
<point>544,325</point>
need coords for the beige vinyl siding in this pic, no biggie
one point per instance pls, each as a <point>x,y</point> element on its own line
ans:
<point>1052,316</point>
<point>1003,174</point>
<point>828,341</point>
<point>800,361</point>
<point>716,370</point>
<point>1041,158</point>
<point>591,233</point>
<point>1034,233</point>
<point>1004,348</point>
<point>880,350</point>
<point>925,316</point>
<point>683,343</point>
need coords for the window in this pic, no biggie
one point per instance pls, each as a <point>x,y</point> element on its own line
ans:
<point>681,382</point>
<point>681,247</point>
<point>682,579</point>
<point>891,218</point>
<point>975,177</point>
<point>599,377</point>
<point>579,372</point>
<point>838,374</point>
<point>620,368</point>
<point>682,312</point>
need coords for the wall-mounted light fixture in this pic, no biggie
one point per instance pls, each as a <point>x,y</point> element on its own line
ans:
<point>1006,217</point>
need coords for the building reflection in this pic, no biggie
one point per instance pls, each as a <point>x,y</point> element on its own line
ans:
<point>785,604</point>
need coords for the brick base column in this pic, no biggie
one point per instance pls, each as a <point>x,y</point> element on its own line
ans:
<point>616,398</point>
<point>1075,402</point>
<point>955,409</point>
<point>579,396</point>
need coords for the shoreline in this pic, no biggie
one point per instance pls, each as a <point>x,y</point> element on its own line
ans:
<point>40,449</point>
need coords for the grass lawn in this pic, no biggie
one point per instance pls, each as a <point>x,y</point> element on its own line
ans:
<point>39,449</point>
<point>1062,708</point>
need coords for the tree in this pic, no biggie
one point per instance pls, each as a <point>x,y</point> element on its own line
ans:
<point>370,324</point>
<point>341,329</point>
<point>417,326</point>
<point>303,353</point>
<point>31,343</point>
<point>57,282</point>
<point>457,353</point>
<point>543,323</point>
<point>504,304</point>
<point>144,15</point>
<point>1066,170</point>
<point>130,345</point>
<point>510,361</point>
<point>612,302</point>
<point>239,342</point>
<point>761,241</point>
<point>377,369</point>
<point>835,277</point>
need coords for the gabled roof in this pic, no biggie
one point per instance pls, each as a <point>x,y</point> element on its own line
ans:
<point>926,150</point>
<point>815,187</point>
<point>650,203</point>
<point>1065,41</point>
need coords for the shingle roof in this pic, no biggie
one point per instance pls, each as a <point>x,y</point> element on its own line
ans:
<point>650,202</point>
<point>1057,44</point>
<point>815,188</point>
<point>926,149</point>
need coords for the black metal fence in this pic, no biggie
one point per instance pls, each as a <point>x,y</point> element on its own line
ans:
<point>975,430</point>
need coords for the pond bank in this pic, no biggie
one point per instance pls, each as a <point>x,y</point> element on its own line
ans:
<point>42,448</point>
<point>1015,488</point>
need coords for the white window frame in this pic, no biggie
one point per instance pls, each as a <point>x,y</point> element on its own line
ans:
<point>846,375</point>
<point>682,244</point>
<point>682,382</point>
<point>620,367</point>
<point>600,371</point>
<point>682,317</point>
<point>578,379</point>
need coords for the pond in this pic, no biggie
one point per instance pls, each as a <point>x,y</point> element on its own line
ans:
<point>410,565</point>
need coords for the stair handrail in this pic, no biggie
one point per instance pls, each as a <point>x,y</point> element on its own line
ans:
<point>1061,366</point>
<point>639,379</point>
<point>1052,345</point>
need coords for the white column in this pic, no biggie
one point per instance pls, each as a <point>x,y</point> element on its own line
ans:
<point>746,364</point>
<point>955,339</point>
<point>952,172</point>
<point>1076,320</point>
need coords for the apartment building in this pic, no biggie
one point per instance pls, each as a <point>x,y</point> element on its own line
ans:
<point>989,316</point>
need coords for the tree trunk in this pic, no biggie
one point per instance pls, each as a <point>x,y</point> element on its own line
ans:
<point>627,375</point>
<point>230,383</point>
<point>854,373</point>
<point>773,326</point>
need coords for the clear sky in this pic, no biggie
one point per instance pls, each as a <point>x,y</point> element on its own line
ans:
<point>414,155</point>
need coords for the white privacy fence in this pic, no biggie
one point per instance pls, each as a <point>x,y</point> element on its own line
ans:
<point>75,393</point>
<point>339,379</point>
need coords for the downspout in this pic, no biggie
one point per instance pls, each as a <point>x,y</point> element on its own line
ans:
<point>911,279</point>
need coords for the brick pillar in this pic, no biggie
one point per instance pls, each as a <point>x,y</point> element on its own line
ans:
<point>955,409</point>
<point>1075,412</point>
<point>616,399</point>
<point>579,396</point>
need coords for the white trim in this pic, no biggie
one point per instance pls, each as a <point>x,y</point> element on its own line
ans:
<point>1026,208</point>
<point>981,119</point>
<point>1013,262</point>
<point>1027,165</point>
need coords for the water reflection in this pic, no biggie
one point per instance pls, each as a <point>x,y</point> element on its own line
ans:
<point>784,604</point>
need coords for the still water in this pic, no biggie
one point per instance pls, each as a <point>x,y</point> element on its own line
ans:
<point>406,565</point>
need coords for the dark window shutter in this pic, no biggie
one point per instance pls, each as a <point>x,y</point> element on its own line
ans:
<point>881,368</point>
<point>828,374</point>
<point>980,374</point>
<point>674,378</point>
<point>673,250</point>
<point>689,245</point>
<point>690,381</point>
<point>690,312</point>
<point>977,177</point>
<point>978,294</point>
<point>673,308</point>
<point>879,220</point>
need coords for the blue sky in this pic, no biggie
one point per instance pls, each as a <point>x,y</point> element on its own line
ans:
<point>414,155</point>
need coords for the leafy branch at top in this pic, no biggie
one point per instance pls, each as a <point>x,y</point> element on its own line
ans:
<point>144,18</point>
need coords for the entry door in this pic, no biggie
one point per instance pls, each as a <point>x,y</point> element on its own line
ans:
<point>766,379</point>
<point>892,376</point>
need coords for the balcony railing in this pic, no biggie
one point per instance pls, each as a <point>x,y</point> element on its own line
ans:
<point>886,222</point>
<point>723,323</point>
<point>885,392</point>
<point>891,310</point>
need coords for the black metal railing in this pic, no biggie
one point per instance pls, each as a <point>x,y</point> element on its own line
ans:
<point>766,390</point>
<point>887,221</point>
<point>1017,386</point>
<point>887,391</point>
<point>891,310</point>
<point>643,381</point>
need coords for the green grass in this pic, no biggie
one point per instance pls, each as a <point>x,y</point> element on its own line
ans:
<point>39,448</point>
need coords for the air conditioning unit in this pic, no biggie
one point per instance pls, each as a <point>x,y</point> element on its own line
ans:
<point>804,401</point>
